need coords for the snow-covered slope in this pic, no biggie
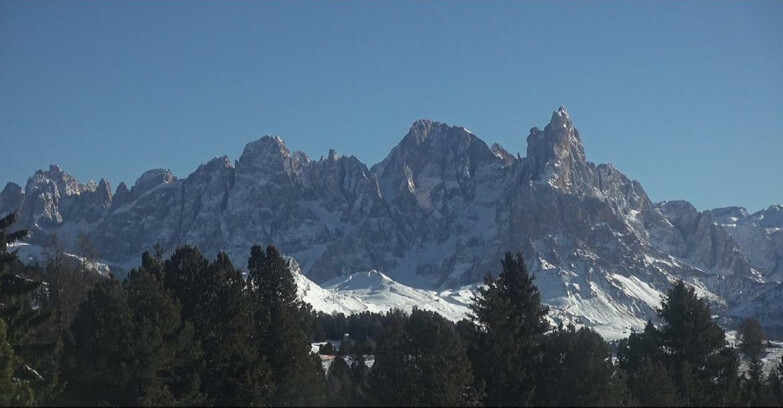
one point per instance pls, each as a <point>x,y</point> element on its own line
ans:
<point>32,254</point>
<point>375,292</point>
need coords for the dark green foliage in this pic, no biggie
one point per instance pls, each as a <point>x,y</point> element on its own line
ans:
<point>167,358</point>
<point>775,385</point>
<point>652,386</point>
<point>327,349</point>
<point>752,337</point>
<point>361,380</point>
<point>695,352</point>
<point>576,370</point>
<point>648,381</point>
<point>14,391</point>
<point>236,373</point>
<point>511,321</point>
<point>638,348</point>
<point>129,346</point>
<point>280,322</point>
<point>421,362</point>
<point>216,300</point>
<point>186,275</point>
<point>28,354</point>
<point>341,385</point>
<point>99,361</point>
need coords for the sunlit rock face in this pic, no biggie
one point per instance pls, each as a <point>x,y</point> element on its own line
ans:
<point>437,213</point>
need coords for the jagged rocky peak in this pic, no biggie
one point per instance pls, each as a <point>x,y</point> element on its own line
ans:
<point>674,207</point>
<point>501,153</point>
<point>151,179</point>
<point>772,216</point>
<point>728,215</point>
<point>121,195</point>
<point>556,155</point>
<point>11,198</point>
<point>425,131</point>
<point>430,145</point>
<point>122,190</point>
<point>419,131</point>
<point>300,157</point>
<point>103,194</point>
<point>66,183</point>
<point>269,157</point>
<point>217,164</point>
<point>266,148</point>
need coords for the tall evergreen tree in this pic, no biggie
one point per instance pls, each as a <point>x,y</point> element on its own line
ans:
<point>13,390</point>
<point>167,357</point>
<point>99,360</point>
<point>775,385</point>
<point>21,320</point>
<point>512,322</point>
<point>280,333</point>
<point>752,346</point>
<point>236,374</point>
<point>653,386</point>
<point>641,356</point>
<point>696,354</point>
<point>422,362</point>
<point>341,385</point>
<point>577,370</point>
<point>129,346</point>
<point>186,275</point>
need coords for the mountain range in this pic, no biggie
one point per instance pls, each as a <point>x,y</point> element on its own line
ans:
<point>434,217</point>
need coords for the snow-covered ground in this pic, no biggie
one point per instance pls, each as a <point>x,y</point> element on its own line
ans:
<point>32,254</point>
<point>375,292</point>
<point>770,357</point>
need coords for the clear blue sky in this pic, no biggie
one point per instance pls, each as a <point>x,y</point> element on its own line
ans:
<point>687,98</point>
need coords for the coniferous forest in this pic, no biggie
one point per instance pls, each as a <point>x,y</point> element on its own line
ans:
<point>186,329</point>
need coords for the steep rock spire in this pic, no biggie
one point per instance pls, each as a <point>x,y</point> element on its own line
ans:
<point>556,156</point>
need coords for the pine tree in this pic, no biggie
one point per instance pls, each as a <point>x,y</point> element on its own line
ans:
<point>236,374</point>
<point>167,358</point>
<point>422,362</point>
<point>653,386</point>
<point>129,346</point>
<point>775,385</point>
<point>632,353</point>
<point>641,356</point>
<point>13,391</point>
<point>752,345</point>
<point>511,323</point>
<point>280,333</point>
<point>360,375</point>
<point>21,320</point>
<point>696,354</point>
<point>340,384</point>
<point>577,370</point>
<point>99,360</point>
<point>187,276</point>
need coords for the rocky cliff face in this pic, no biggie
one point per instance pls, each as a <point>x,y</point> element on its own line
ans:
<point>437,213</point>
<point>759,237</point>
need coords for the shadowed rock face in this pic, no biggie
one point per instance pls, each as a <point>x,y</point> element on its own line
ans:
<point>438,211</point>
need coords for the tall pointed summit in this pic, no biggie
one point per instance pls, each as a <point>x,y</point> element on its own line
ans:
<point>556,156</point>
